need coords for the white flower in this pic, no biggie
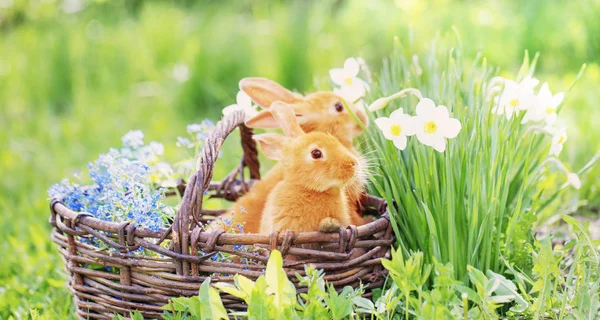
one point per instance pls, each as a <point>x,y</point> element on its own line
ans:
<point>194,128</point>
<point>181,72</point>
<point>558,140</point>
<point>574,180</point>
<point>351,87</point>
<point>396,127</point>
<point>433,125</point>
<point>133,139</point>
<point>184,143</point>
<point>516,97</point>
<point>244,102</point>
<point>156,148</point>
<point>164,169</point>
<point>349,94</point>
<point>545,107</point>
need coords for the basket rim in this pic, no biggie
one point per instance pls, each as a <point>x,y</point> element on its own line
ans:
<point>87,219</point>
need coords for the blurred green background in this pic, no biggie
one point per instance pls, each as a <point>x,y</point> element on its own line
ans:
<point>76,75</point>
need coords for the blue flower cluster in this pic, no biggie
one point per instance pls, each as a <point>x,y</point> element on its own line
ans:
<point>120,188</point>
<point>122,184</point>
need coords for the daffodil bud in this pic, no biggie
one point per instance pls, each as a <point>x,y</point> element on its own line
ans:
<point>378,104</point>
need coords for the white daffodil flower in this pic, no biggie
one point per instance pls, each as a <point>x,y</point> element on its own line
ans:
<point>433,125</point>
<point>573,179</point>
<point>558,140</point>
<point>516,97</point>
<point>350,94</point>
<point>244,102</point>
<point>396,128</point>
<point>546,105</point>
<point>351,87</point>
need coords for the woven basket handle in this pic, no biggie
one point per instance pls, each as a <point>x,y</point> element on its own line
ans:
<point>191,204</point>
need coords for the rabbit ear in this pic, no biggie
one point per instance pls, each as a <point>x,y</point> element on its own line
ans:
<point>264,91</point>
<point>271,144</point>
<point>286,117</point>
<point>264,119</point>
<point>280,115</point>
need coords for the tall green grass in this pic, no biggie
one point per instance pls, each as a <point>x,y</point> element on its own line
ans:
<point>476,203</point>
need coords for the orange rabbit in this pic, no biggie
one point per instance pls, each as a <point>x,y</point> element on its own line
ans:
<point>322,112</point>
<point>317,166</point>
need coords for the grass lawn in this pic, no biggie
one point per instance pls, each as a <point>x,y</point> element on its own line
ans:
<point>71,84</point>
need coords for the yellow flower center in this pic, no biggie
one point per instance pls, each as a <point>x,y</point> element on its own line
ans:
<point>430,127</point>
<point>561,140</point>
<point>514,103</point>
<point>549,110</point>
<point>395,130</point>
<point>348,81</point>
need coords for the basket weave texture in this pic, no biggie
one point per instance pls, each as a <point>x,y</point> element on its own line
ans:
<point>182,253</point>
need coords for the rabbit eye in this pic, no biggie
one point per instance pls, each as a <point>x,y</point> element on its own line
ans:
<point>339,107</point>
<point>316,154</point>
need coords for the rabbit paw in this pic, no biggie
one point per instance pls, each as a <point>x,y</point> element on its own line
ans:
<point>329,225</point>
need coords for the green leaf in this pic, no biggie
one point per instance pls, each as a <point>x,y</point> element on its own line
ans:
<point>195,307</point>
<point>177,304</point>
<point>363,305</point>
<point>471,294</point>
<point>339,304</point>
<point>211,306</point>
<point>260,302</point>
<point>244,284</point>
<point>508,288</point>
<point>232,290</point>
<point>137,315</point>
<point>278,283</point>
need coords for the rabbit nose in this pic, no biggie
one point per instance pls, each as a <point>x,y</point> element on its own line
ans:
<point>351,164</point>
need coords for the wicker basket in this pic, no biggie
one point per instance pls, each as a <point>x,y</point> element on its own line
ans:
<point>182,260</point>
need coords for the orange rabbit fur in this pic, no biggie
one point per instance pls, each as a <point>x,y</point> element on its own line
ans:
<point>312,194</point>
<point>317,112</point>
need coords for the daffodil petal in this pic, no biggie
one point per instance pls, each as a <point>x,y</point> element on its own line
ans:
<point>438,143</point>
<point>557,99</point>
<point>384,125</point>
<point>397,114</point>
<point>337,75</point>
<point>425,107</point>
<point>551,118</point>
<point>351,93</point>
<point>363,83</point>
<point>243,99</point>
<point>529,83</point>
<point>352,67</point>
<point>544,92</point>
<point>450,128</point>
<point>400,142</point>
<point>441,112</point>
<point>555,149</point>
<point>358,85</point>
<point>408,125</point>
<point>424,138</point>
